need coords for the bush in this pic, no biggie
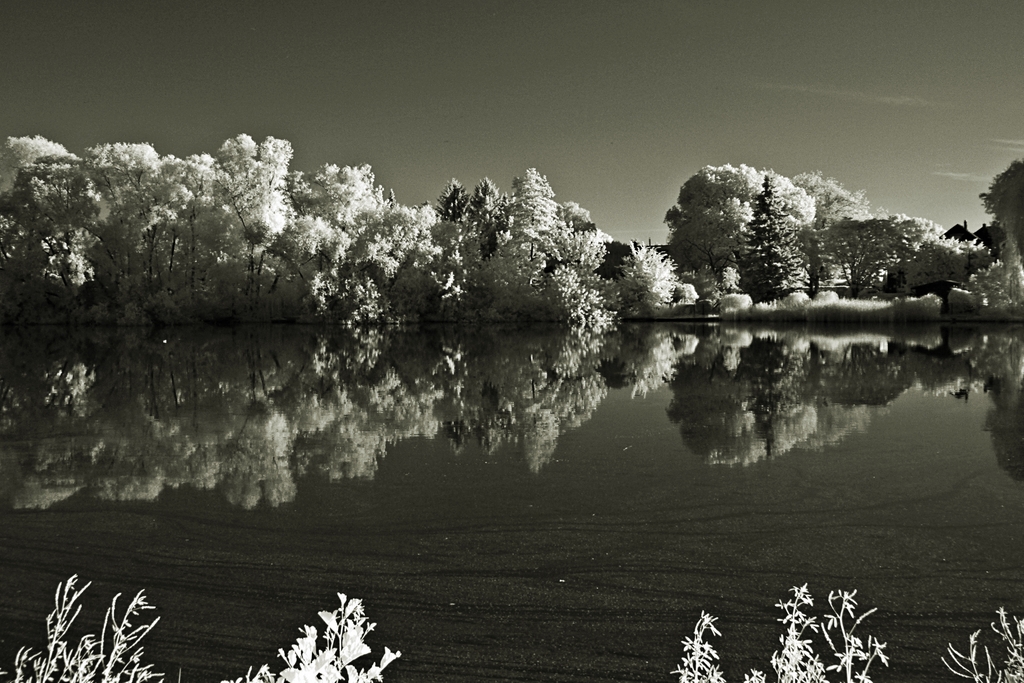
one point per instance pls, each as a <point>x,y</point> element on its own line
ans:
<point>685,294</point>
<point>994,287</point>
<point>927,307</point>
<point>961,302</point>
<point>826,296</point>
<point>730,303</point>
<point>795,300</point>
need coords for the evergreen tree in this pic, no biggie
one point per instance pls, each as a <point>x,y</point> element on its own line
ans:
<point>487,214</point>
<point>534,210</point>
<point>453,203</point>
<point>770,266</point>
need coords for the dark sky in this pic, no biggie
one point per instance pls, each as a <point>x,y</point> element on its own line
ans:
<point>918,102</point>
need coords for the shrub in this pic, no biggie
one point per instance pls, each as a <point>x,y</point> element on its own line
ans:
<point>927,307</point>
<point>961,301</point>
<point>731,303</point>
<point>826,296</point>
<point>795,300</point>
<point>685,294</point>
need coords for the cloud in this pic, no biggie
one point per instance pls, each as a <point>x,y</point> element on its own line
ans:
<point>964,177</point>
<point>854,95</point>
<point>1012,145</point>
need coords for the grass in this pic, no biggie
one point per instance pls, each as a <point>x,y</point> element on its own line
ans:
<point>831,309</point>
<point>115,656</point>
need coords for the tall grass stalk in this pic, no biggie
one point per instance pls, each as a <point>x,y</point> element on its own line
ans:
<point>967,665</point>
<point>113,657</point>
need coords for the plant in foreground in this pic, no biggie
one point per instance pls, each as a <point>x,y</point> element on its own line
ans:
<point>114,657</point>
<point>966,666</point>
<point>796,662</point>
<point>343,642</point>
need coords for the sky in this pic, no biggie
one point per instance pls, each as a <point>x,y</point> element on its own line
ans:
<point>918,102</point>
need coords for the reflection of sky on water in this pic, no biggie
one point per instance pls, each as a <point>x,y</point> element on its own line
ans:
<point>250,412</point>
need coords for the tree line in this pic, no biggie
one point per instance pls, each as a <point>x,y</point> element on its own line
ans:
<point>124,235</point>
<point>743,230</point>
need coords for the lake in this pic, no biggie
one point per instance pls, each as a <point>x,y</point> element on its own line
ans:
<point>514,504</point>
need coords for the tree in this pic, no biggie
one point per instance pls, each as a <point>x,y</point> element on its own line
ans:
<point>861,249</point>
<point>514,271</point>
<point>47,224</point>
<point>488,215</point>
<point>453,202</point>
<point>832,203</point>
<point>251,179</point>
<point>533,210</point>
<point>1005,202</point>
<point>18,153</point>
<point>202,244</point>
<point>771,264</point>
<point>571,282</point>
<point>138,239</point>
<point>454,268</point>
<point>648,281</point>
<point>938,258</point>
<point>575,218</point>
<point>707,221</point>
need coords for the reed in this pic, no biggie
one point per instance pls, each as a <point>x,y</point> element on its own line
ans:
<point>114,656</point>
<point>831,309</point>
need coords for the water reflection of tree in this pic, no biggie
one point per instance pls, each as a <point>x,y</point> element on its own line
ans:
<point>1000,368</point>
<point>522,390</point>
<point>248,411</point>
<point>753,394</point>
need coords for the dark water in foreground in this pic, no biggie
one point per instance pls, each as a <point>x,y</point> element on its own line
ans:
<point>514,505</point>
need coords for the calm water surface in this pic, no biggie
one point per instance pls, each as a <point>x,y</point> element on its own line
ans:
<point>519,505</point>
